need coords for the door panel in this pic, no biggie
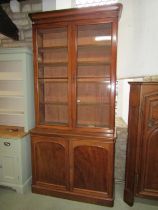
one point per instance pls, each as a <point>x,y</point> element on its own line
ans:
<point>88,172</point>
<point>151,179</point>
<point>92,165</point>
<point>50,160</point>
<point>94,102</point>
<point>8,169</point>
<point>149,168</point>
<point>53,76</point>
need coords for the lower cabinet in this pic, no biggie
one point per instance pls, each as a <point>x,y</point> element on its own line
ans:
<point>15,163</point>
<point>78,168</point>
<point>8,166</point>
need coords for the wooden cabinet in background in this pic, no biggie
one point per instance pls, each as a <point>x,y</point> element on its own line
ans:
<point>142,160</point>
<point>75,77</point>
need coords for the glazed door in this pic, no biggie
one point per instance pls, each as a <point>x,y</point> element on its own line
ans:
<point>148,169</point>
<point>50,162</point>
<point>95,80</point>
<point>91,165</point>
<point>52,72</point>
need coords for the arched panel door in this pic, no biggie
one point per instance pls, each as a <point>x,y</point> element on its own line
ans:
<point>50,162</point>
<point>148,184</point>
<point>92,168</point>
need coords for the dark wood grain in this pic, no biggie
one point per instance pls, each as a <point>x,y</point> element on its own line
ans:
<point>142,161</point>
<point>87,171</point>
<point>92,165</point>
<point>50,159</point>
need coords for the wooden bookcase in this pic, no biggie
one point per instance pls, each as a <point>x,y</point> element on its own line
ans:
<point>75,75</point>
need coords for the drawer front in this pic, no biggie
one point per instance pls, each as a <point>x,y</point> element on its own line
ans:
<point>8,146</point>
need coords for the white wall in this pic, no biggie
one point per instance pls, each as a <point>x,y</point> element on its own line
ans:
<point>123,100</point>
<point>48,5</point>
<point>137,47</point>
<point>138,39</point>
<point>63,4</point>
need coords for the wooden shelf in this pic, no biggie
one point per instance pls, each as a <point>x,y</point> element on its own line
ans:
<point>95,45</point>
<point>85,41</point>
<point>94,62</point>
<point>93,103</point>
<point>45,49</point>
<point>10,76</point>
<point>59,63</point>
<point>55,80</point>
<point>90,125</point>
<point>96,80</point>
<point>79,79</point>
<point>93,77</point>
<point>11,112</point>
<point>78,103</point>
<point>55,123</point>
<point>79,62</point>
<point>11,132</point>
<point>55,103</point>
<point>10,94</point>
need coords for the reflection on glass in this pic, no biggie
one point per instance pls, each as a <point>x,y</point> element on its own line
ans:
<point>53,77</point>
<point>102,38</point>
<point>93,75</point>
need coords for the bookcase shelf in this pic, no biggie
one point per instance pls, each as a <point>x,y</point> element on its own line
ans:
<point>59,63</point>
<point>10,76</point>
<point>11,112</point>
<point>16,84</point>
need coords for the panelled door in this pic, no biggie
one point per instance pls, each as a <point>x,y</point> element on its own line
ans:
<point>148,179</point>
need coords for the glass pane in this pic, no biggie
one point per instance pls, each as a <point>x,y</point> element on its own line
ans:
<point>93,75</point>
<point>53,76</point>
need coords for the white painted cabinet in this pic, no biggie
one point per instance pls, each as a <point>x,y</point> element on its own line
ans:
<point>16,117</point>
<point>16,88</point>
<point>15,163</point>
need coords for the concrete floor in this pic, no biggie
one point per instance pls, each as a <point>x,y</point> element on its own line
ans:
<point>10,200</point>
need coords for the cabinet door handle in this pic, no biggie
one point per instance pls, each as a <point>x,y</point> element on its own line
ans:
<point>7,144</point>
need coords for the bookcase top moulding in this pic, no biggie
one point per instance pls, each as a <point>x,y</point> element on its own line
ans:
<point>108,11</point>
